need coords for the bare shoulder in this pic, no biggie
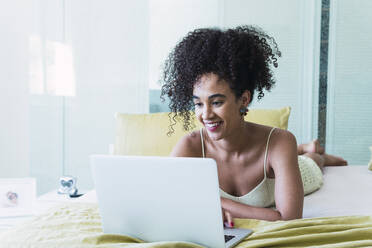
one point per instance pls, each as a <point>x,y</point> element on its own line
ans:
<point>282,137</point>
<point>278,138</point>
<point>283,147</point>
<point>188,146</point>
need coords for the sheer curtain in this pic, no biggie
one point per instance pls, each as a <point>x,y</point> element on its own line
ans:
<point>349,111</point>
<point>15,28</point>
<point>104,70</point>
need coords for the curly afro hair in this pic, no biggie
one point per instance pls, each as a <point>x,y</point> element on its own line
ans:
<point>241,56</point>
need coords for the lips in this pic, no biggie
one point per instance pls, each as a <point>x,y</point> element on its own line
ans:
<point>212,126</point>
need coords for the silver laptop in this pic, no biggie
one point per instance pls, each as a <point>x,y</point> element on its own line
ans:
<point>162,199</point>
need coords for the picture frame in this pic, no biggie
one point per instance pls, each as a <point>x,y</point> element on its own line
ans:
<point>17,196</point>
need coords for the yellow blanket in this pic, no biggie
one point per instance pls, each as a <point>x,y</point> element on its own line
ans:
<point>79,225</point>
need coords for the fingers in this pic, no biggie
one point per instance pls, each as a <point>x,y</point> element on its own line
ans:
<point>226,215</point>
<point>227,218</point>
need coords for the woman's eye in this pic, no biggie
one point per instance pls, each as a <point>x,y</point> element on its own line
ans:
<point>217,103</point>
<point>198,104</point>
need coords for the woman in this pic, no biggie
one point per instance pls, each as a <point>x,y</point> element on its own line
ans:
<point>218,72</point>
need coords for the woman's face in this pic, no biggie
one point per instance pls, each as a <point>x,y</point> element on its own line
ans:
<point>217,107</point>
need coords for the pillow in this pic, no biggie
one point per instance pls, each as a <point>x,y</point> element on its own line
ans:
<point>146,134</point>
<point>311,175</point>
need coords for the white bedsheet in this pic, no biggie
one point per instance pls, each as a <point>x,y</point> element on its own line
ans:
<point>347,190</point>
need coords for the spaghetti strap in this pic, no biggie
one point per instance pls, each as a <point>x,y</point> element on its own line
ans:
<point>267,148</point>
<point>202,141</point>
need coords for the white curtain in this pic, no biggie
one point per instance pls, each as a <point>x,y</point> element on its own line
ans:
<point>349,111</point>
<point>15,27</point>
<point>94,57</point>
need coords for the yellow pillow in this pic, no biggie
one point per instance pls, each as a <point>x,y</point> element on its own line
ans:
<point>146,134</point>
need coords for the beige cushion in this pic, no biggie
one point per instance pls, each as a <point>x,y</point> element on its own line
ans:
<point>146,134</point>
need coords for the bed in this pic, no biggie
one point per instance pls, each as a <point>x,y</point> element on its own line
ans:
<point>337,215</point>
<point>346,190</point>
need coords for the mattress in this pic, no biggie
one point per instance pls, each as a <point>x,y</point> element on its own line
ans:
<point>347,190</point>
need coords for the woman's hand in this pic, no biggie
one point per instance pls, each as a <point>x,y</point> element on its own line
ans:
<point>226,215</point>
<point>227,218</point>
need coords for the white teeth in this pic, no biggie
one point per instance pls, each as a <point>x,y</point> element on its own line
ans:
<point>212,124</point>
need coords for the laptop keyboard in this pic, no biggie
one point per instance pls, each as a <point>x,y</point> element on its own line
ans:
<point>228,237</point>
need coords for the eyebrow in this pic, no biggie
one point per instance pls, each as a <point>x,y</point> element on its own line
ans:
<point>210,97</point>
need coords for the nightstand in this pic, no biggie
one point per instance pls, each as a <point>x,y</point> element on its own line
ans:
<point>54,196</point>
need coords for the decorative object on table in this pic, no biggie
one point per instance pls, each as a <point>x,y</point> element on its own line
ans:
<point>370,162</point>
<point>68,185</point>
<point>17,196</point>
<point>11,199</point>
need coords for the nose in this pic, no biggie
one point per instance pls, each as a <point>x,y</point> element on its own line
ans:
<point>207,112</point>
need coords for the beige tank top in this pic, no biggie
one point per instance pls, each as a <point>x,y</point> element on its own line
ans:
<point>263,194</point>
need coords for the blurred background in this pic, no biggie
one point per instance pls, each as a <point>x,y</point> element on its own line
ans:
<point>66,66</point>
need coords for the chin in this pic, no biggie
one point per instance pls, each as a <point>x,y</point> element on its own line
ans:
<point>215,136</point>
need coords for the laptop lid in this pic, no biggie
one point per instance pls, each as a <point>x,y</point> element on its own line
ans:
<point>159,198</point>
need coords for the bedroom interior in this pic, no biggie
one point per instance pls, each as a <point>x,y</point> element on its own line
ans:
<point>82,78</point>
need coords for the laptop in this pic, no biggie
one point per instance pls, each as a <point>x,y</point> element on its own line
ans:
<point>162,199</point>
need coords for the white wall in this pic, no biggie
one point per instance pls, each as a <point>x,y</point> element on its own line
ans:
<point>170,21</point>
<point>294,24</point>
<point>15,28</point>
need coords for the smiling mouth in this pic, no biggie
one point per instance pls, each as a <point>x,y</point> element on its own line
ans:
<point>212,126</point>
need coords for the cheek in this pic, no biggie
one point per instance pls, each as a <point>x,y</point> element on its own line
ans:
<point>198,114</point>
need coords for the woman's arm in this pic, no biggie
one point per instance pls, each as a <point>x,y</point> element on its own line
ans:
<point>240,210</point>
<point>289,191</point>
<point>289,196</point>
